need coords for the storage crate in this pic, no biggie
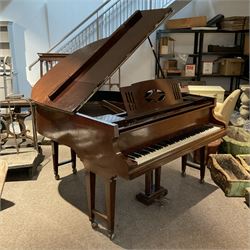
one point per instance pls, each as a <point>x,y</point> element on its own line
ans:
<point>229,174</point>
<point>245,161</point>
<point>236,142</point>
<point>231,66</point>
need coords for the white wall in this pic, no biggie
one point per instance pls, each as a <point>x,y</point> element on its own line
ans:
<point>64,15</point>
<point>29,35</point>
<point>141,67</point>
<point>39,24</point>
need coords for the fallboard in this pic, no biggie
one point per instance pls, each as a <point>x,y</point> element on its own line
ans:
<point>147,134</point>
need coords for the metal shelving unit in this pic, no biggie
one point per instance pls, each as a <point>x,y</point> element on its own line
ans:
<point>198,54</point>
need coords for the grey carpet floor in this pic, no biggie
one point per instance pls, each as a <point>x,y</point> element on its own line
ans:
<point>43,213</point>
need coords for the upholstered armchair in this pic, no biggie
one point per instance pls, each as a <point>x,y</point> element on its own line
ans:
<point>223,111</point>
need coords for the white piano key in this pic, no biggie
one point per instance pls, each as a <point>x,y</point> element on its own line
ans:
<point>168,148</point>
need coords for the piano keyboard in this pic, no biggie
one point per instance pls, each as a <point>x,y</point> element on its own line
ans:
<point>154,151</point>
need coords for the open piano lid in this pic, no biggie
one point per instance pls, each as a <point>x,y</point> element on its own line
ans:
<point>70,84</point>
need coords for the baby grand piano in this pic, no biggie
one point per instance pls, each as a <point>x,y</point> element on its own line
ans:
<point>128,133</point>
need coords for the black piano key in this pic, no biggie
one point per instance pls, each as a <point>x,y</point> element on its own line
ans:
<point>156,146</point>
<point>146,151</point>
<point>163,143</point>
<point>141,152</point>
<point>136,155</point>
<point>166,142</point>
<point>131,156</point>
<point>150,149</point>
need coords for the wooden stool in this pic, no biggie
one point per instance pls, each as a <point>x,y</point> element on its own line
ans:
<point>3,174</point>
<point>200,158</point>
<point>201,166</point>
<point>56,164</point>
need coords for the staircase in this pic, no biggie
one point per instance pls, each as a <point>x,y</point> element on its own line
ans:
<point>100,24</point>
<point>107,20</point>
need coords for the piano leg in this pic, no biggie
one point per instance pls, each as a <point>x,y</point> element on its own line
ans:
<point>54,146</point>
<point>90,187</point>
<point>201,167</point>
<point>110,187</point>
<point>153,191</point>
<point>110,190</point>
<point>56,164</point>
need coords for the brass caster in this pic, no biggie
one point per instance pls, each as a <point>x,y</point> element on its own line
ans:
<point>183,174</point>
<point>111,236</point>
<point>94,225</point>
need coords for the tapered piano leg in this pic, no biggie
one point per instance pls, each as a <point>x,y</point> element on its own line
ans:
<point>110,188</point>
<point>109,217</point>
<point>183,165</point>
<point>90,187</point>
<point>153,191</point>
<point>201,167</point>
<point>55,158</point>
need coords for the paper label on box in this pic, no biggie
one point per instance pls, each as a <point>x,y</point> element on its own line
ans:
<point>207,68</point>
<point>190,70</point>
<point>164,49</point>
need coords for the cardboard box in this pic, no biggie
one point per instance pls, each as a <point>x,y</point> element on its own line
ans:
<point>190,70</point>
<point>207,68</point>
<point>235,23</point>
<point>166,46</point>
<point>231,66</point>
<point>171,64</point>
<point>198,21</point>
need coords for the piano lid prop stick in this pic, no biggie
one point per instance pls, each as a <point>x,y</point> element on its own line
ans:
<point>156,59</point>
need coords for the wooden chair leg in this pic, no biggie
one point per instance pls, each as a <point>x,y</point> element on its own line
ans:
<point>55,158</point>
<point>73,159</point>
<point>183,165</point>
<point>202,164</point>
